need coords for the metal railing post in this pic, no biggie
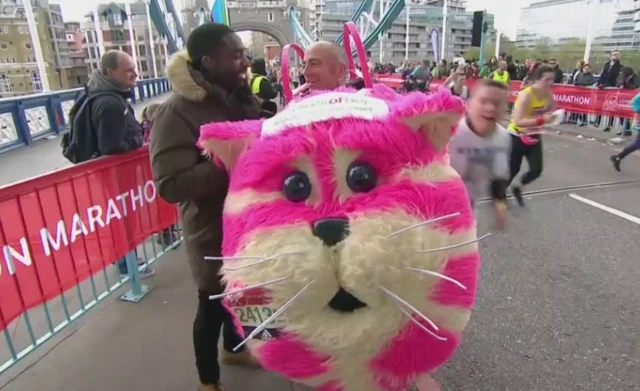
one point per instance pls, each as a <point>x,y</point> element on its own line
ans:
<point>138,290</point>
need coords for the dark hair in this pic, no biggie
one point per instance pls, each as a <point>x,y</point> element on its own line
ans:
<point>204,40</point>
<point>494,84</point>
<point>586,64</point>
<point>109,60</point>
<point>259,67</point>
<point>540,71</point>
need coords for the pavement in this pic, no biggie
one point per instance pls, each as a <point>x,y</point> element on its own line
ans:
<point>595,133</point>
<point>19,164</point>
<point>557,306</point>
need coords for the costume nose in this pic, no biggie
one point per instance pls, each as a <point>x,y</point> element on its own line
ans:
<point>332,230</point>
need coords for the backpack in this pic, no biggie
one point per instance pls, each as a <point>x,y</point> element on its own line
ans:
<point>80,143</point>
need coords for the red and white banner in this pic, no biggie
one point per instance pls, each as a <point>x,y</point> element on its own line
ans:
<point>58,229</point>
<point>614,102</point>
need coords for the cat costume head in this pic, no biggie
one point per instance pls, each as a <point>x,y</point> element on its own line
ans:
<point>345,203</point>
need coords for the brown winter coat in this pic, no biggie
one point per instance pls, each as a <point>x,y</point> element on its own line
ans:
<point>186,176</point>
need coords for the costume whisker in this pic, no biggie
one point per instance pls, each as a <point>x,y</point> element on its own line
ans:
<point>267,259</point>
<point>408,305</point>
<point>246,288</point>
<point>415,321</point>
<point>439,275</point>
<point>273,317</point>
<point>433,250</point>
<point>241,258</point>
<point>398,232</point>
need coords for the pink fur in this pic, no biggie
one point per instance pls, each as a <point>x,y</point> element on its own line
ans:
<point>411,353</point>
<point>292,358</point>
<point>424,201</point>
<point>464,269</point>
<point>233,131</point>
<point>260,164</point>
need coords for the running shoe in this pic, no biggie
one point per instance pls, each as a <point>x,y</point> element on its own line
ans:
<point>616,162</point>
<point>517,194</point>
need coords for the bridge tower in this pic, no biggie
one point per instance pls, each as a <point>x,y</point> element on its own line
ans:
<point>270,17</point>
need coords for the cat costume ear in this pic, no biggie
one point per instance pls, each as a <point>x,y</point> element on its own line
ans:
<point>226,141</point>
<point>435,115</point>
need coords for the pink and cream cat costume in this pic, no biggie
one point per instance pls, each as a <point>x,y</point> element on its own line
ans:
<point>343,210</point>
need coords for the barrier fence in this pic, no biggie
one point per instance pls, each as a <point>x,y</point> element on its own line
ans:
<point>61,234</point>
<point>27,118</point>
<point>580,100</point>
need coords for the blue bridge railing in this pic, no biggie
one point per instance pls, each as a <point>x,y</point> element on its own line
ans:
<point>25,119</point>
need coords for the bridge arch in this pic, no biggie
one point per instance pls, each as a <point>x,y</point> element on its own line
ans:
<point>268,29</point>
<point>272,21</point>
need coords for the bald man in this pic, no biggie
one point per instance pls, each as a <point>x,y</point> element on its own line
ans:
<point>117,129</point>
<point>326,66</point>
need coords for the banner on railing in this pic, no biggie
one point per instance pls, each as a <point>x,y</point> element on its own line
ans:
<point>613,102</point>
<point>58,229</point>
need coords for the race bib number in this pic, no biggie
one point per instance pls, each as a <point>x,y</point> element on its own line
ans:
<point>254,315</point>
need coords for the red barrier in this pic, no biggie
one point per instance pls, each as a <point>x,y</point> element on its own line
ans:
<point>614,102</point>
<point>58,229</point>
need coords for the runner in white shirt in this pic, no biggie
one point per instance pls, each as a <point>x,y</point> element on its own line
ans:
<point>480,147</point>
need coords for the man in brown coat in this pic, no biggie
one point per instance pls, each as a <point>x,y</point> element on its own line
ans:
<point>209,84</point>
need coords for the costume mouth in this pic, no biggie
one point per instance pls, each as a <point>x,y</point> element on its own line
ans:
<point>344,301</point>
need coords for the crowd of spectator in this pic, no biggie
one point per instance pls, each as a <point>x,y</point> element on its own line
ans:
<point>614,74</point>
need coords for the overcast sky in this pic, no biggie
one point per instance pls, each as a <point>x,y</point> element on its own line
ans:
<point>506,11</point>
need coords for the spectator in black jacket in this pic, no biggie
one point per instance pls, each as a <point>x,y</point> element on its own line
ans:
<point>118,130</point>
<point>610,71</point>
<point>512,69</point>
<point>609,78</point>
<point>115,122</point>
<point>558,77</point>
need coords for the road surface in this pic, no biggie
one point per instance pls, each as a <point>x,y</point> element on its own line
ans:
<point>557,305</point>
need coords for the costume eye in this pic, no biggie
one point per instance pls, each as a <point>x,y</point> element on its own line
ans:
<point>361,177</point>
<point>296,186</point>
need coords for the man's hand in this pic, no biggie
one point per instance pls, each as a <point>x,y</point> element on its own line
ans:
<point>501,213</point>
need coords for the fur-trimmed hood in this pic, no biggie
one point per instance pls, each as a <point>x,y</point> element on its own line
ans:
<point>185,80</point>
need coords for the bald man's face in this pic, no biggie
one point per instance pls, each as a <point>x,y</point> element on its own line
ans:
<point>125,73</point>
<point>323,70</point>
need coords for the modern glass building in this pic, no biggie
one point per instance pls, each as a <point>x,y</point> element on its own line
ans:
<point>424,17</point>
<point>555,21</point>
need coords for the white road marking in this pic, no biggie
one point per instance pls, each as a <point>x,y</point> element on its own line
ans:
<point>605,208</point>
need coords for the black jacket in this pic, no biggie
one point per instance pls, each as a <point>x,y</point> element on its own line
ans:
<point>609,75</point>
<point>117,129</point>
<point>558,77</point>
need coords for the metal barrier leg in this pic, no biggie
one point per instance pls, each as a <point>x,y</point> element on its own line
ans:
<point>137,291</point>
